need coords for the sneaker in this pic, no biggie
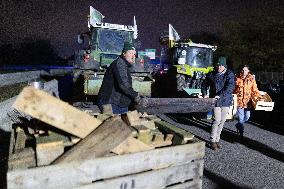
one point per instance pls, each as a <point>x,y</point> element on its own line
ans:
<point>214,146</point>
<point>218,145</point>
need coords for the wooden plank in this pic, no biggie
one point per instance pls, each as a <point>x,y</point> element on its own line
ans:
<point>103,117</point>
<point>180,133</point>
<point>131,145</point>
<point>55,112</point>
<point>152,179</point>
<point>152,117</point>
<point>192,184</point>
<point>144,134</point>
<point>132,118</point>
<point>107,109</point>
<point>22,159</point>
<point>12,142</point>
<point>20,139</point>
<point>100,142</point>
<point>161,140</point>
<point>48,152</point>
<point>150,124</point>
<point>75,174</point>
<point>54,137</point>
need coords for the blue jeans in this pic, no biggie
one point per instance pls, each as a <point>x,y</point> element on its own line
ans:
<point>115,108</point>
<point>243,116</point>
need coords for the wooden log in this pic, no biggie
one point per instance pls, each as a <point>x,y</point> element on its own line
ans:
<point>100,142</point>
<point>75,174</point>
<point>131,145</point>
<point>152,179</point>
<point>176,105</point>
<point>55,112</point>
<point>22,159</point>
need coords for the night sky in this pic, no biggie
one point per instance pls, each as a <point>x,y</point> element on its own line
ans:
<point>61,20</point>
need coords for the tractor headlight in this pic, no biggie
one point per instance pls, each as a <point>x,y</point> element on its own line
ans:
<point>181,60</point>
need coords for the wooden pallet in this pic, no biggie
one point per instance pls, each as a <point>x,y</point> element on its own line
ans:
<point>110,152</point>
<point>168,167</point>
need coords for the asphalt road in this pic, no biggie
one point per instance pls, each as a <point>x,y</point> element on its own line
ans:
<point>256,161</point>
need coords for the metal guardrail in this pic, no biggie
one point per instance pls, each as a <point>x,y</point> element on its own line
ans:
<point>6,106</point>
<point>18,77</point>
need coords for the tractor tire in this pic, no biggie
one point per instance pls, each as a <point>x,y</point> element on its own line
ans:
<point>181,82</point>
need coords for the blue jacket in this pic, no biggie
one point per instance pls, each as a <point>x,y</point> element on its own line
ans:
<point>220,84</point>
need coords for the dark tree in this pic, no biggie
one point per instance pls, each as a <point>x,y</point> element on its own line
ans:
<point>257,41</point>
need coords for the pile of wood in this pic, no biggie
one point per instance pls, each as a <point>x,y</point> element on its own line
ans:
<point>60,134</point>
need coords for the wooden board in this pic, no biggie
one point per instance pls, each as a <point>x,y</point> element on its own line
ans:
<point>21,159</point>
<point>178,132</point>
<point>132,118</point>
<point>265,103</point>
<point>55,112</point>
<point>153,179</point>
<point>100,142</point>
<point>75,174</point>
<point>48,152</point>
<point>20,139</point>
<point>144,134</point>
<point>192,184</point>
<point>131,145</point>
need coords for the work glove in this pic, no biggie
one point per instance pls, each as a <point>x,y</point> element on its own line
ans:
<point>137,99</point>
<point>141,100</point>
<point>217,97</point>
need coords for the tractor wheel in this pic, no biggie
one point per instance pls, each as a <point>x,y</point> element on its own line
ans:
<point>181,83</point>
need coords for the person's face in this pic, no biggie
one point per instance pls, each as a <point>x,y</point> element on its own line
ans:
<point>130,56</point>
<point>220,68</point>
<point>245,71</point>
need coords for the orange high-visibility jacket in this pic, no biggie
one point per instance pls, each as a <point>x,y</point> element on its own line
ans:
<point>245,89</point>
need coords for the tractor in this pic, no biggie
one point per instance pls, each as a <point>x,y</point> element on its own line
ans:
<point>105,43</point>
<point>184,65</point>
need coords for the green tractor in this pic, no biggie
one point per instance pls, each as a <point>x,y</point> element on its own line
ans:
<point>184,65</point>
<point>105,43</point>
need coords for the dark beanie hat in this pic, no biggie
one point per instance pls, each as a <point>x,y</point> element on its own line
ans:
<point>222,61</point>
<point>128,46</point>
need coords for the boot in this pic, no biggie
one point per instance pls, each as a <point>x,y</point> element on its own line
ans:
<point>218,145</point>
<point>214,146</point>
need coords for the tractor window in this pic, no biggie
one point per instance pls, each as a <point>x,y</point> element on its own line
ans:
<point>199,57</point>
<point>112,41</point>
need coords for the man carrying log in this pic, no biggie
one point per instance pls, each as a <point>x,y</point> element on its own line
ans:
<point>116,88</point>
<point>221,83</point>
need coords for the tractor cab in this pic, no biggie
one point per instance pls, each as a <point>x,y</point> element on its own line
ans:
<point>105,42</point>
